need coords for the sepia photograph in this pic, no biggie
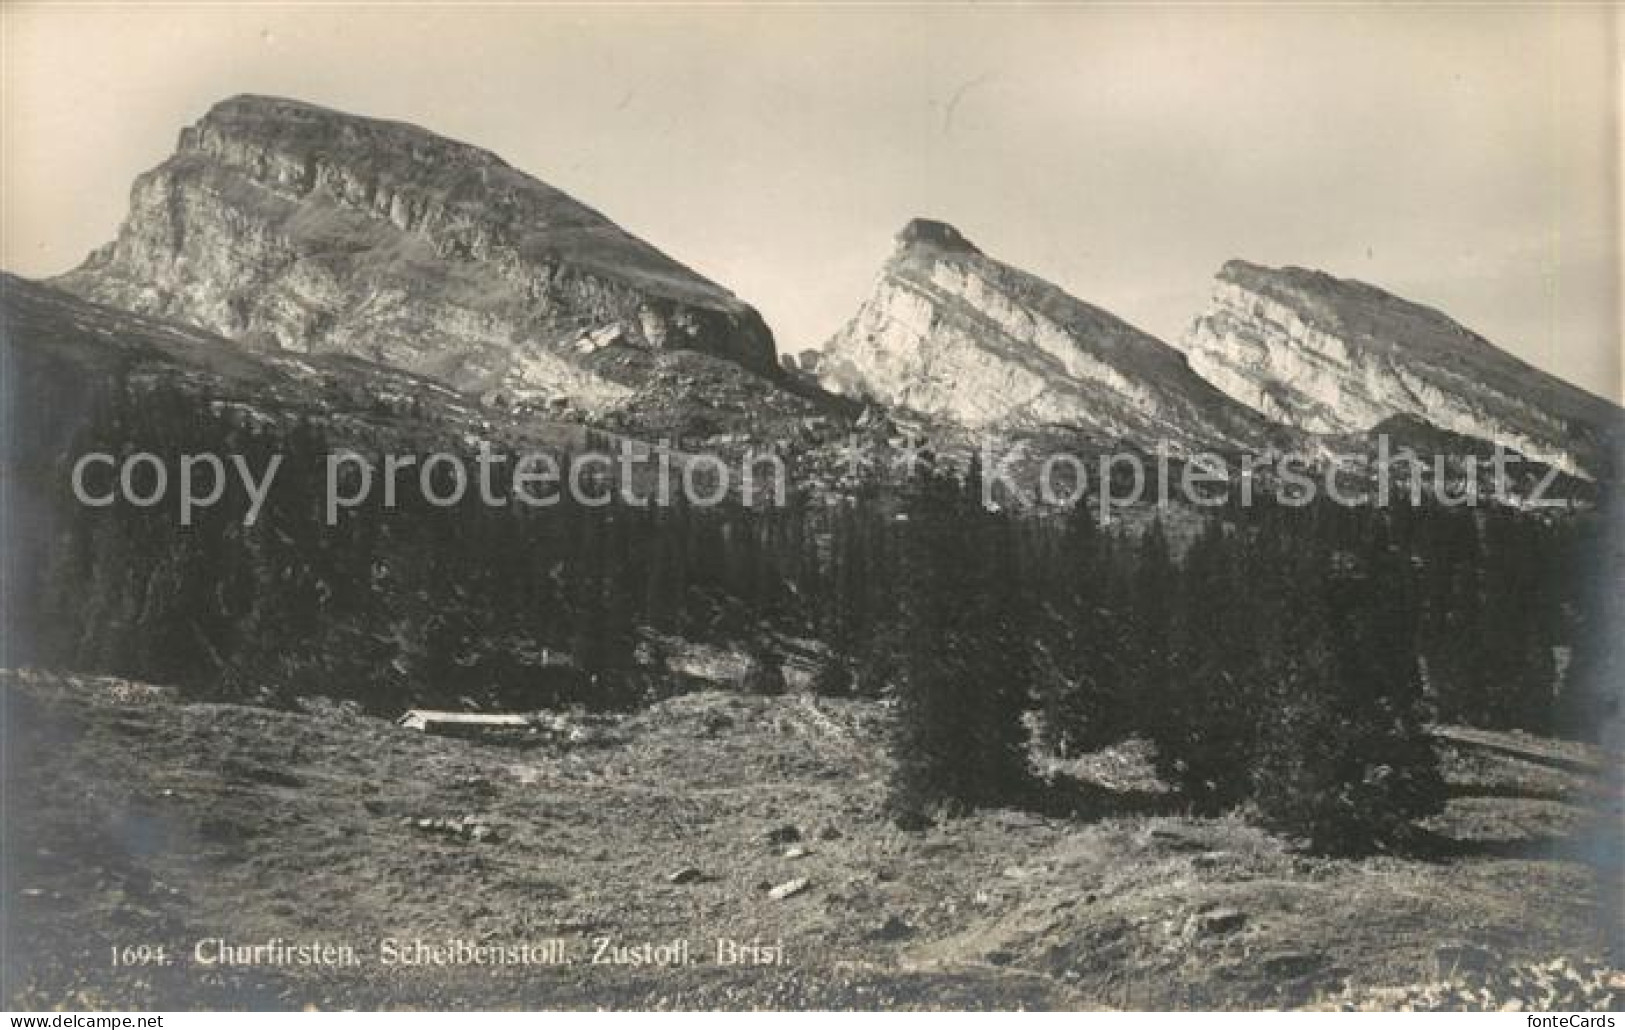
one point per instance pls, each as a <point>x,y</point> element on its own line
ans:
<point>826,507</point>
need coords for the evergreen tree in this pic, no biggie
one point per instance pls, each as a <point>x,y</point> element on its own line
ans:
<point>1205,725</point>
<point>1345,761</point>
<point>1080,645</point>
<point>958,739</point>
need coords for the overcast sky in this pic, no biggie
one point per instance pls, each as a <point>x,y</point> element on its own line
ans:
<point>1464,157</point>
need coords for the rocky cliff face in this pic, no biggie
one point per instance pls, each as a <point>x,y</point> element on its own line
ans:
<point>65,355</point>
<point>285,225</point>
<point>952,333</point>
<point>1336,355</point>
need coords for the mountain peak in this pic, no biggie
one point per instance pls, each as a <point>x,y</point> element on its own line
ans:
<point>278,221</point>
<point>932,233</point>
<point>267,104</point>
<point>1242,271</point>
<point>299,125</point>
<point>1295,280</point>
<point>262,107</point>
<point>983,344</point>
<point>1332,355</point>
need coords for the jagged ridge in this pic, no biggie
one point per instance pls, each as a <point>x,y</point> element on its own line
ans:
<point>951,332</point>
<point>279,222</point>
<point>1337,355</point>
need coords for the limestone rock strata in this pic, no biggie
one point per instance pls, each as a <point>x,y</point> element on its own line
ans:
<point>1331,355</point>
<point>280,224</point>
<point>952,333</point>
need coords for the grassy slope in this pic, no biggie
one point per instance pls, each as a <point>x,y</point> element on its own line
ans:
<point>133,818</point>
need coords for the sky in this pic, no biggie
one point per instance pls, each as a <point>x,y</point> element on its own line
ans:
<point>1464,157</point>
